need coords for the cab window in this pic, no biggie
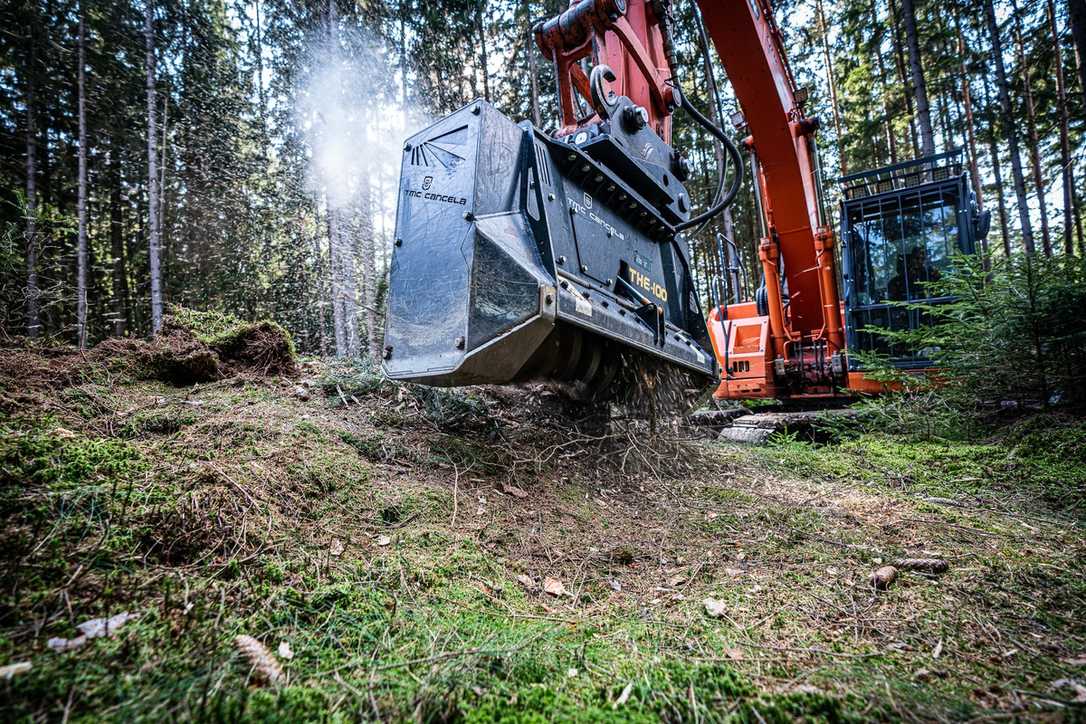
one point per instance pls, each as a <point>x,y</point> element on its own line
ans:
<point>901,248</point>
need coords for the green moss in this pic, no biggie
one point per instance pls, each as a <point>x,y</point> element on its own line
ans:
<point>1044,460</point>
<point>231,343</point>
<point>539,704</point>
<point>803,706</point>
<point>164,421</point>
<point>290,704</point>
<point>305,427</point>
<point>274,572</point>
<point>669,692</point>
<point>207,326</point>
<point>47,455</point>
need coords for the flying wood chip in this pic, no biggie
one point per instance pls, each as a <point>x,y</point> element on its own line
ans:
<point>715,607</point>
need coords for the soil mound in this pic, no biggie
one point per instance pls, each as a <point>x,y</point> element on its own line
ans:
<point>261,347</point>
<point>176,356</point>
<point>193,347</point>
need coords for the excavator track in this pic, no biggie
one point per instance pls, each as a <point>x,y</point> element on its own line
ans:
<point>745,427</point>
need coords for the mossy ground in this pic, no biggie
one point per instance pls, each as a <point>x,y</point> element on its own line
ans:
<point>380,531</point>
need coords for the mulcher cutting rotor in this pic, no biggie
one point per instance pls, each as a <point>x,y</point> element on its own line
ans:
<point>523,256</point>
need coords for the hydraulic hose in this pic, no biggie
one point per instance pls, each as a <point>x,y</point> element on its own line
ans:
<point>738,264</point>
<point>736,160</point>
<point>710,73</point>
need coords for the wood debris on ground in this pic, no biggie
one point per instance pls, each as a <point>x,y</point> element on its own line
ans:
<point>265,668</point>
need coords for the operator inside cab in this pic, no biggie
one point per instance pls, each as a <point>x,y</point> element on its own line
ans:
<point>913,272</point>
<point>893,261</point>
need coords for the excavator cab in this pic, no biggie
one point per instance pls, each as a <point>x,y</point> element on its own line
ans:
<point>900,227</point>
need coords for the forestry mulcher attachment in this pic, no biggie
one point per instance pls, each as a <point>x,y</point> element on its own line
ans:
<point>521,255</point>
<point>524,256</point>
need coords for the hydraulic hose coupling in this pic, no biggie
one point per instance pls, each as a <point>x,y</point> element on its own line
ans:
<point>575,26</point>
<point>805,127</point>
<point>675,99</point>
<point>823,239</point>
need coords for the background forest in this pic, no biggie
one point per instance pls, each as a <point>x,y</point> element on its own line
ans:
<point>243,155</point>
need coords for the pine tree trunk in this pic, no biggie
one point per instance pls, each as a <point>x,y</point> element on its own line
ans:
<point>163,242</point>
<point>752,233</point>
<point>33,322</point>
<point>729,233</point>
<point>950,107</point>
<point>335,251</point>
<point>369,271</point>
<point>341,251</point>
<point>970,131</point>
<point>321,296</point>
<point>1066,171</point>
<point>920,88</point>
<point>350,291</point>
<point>714,115</point>
<point>1031,128</point>
<point>891,138</point>
<point>261,95</point>
<point>824,30</point>
<point>81,253</point>
<point>533,65</point>
<point>1076,9</point>
<point>116,245</point>
<point>403,62</point>
<point>997,170</point>
<point>949,141</point>
<point>153,242</point>
<point>899,62</point>
<point>480,10</point>
<point>1011,130</point>
<point>339,324</point>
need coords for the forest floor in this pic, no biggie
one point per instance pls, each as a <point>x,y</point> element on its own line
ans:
<point>484,555</point>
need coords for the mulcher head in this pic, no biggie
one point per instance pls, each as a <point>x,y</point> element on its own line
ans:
<point>519,257</point>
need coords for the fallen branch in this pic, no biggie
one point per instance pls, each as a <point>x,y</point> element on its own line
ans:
<point>924,565</point>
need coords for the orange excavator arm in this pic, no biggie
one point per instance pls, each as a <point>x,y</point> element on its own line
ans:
<point>749,46</point>
<point>808,330</point>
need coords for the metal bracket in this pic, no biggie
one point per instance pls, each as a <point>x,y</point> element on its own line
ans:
<point>650,313</point>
